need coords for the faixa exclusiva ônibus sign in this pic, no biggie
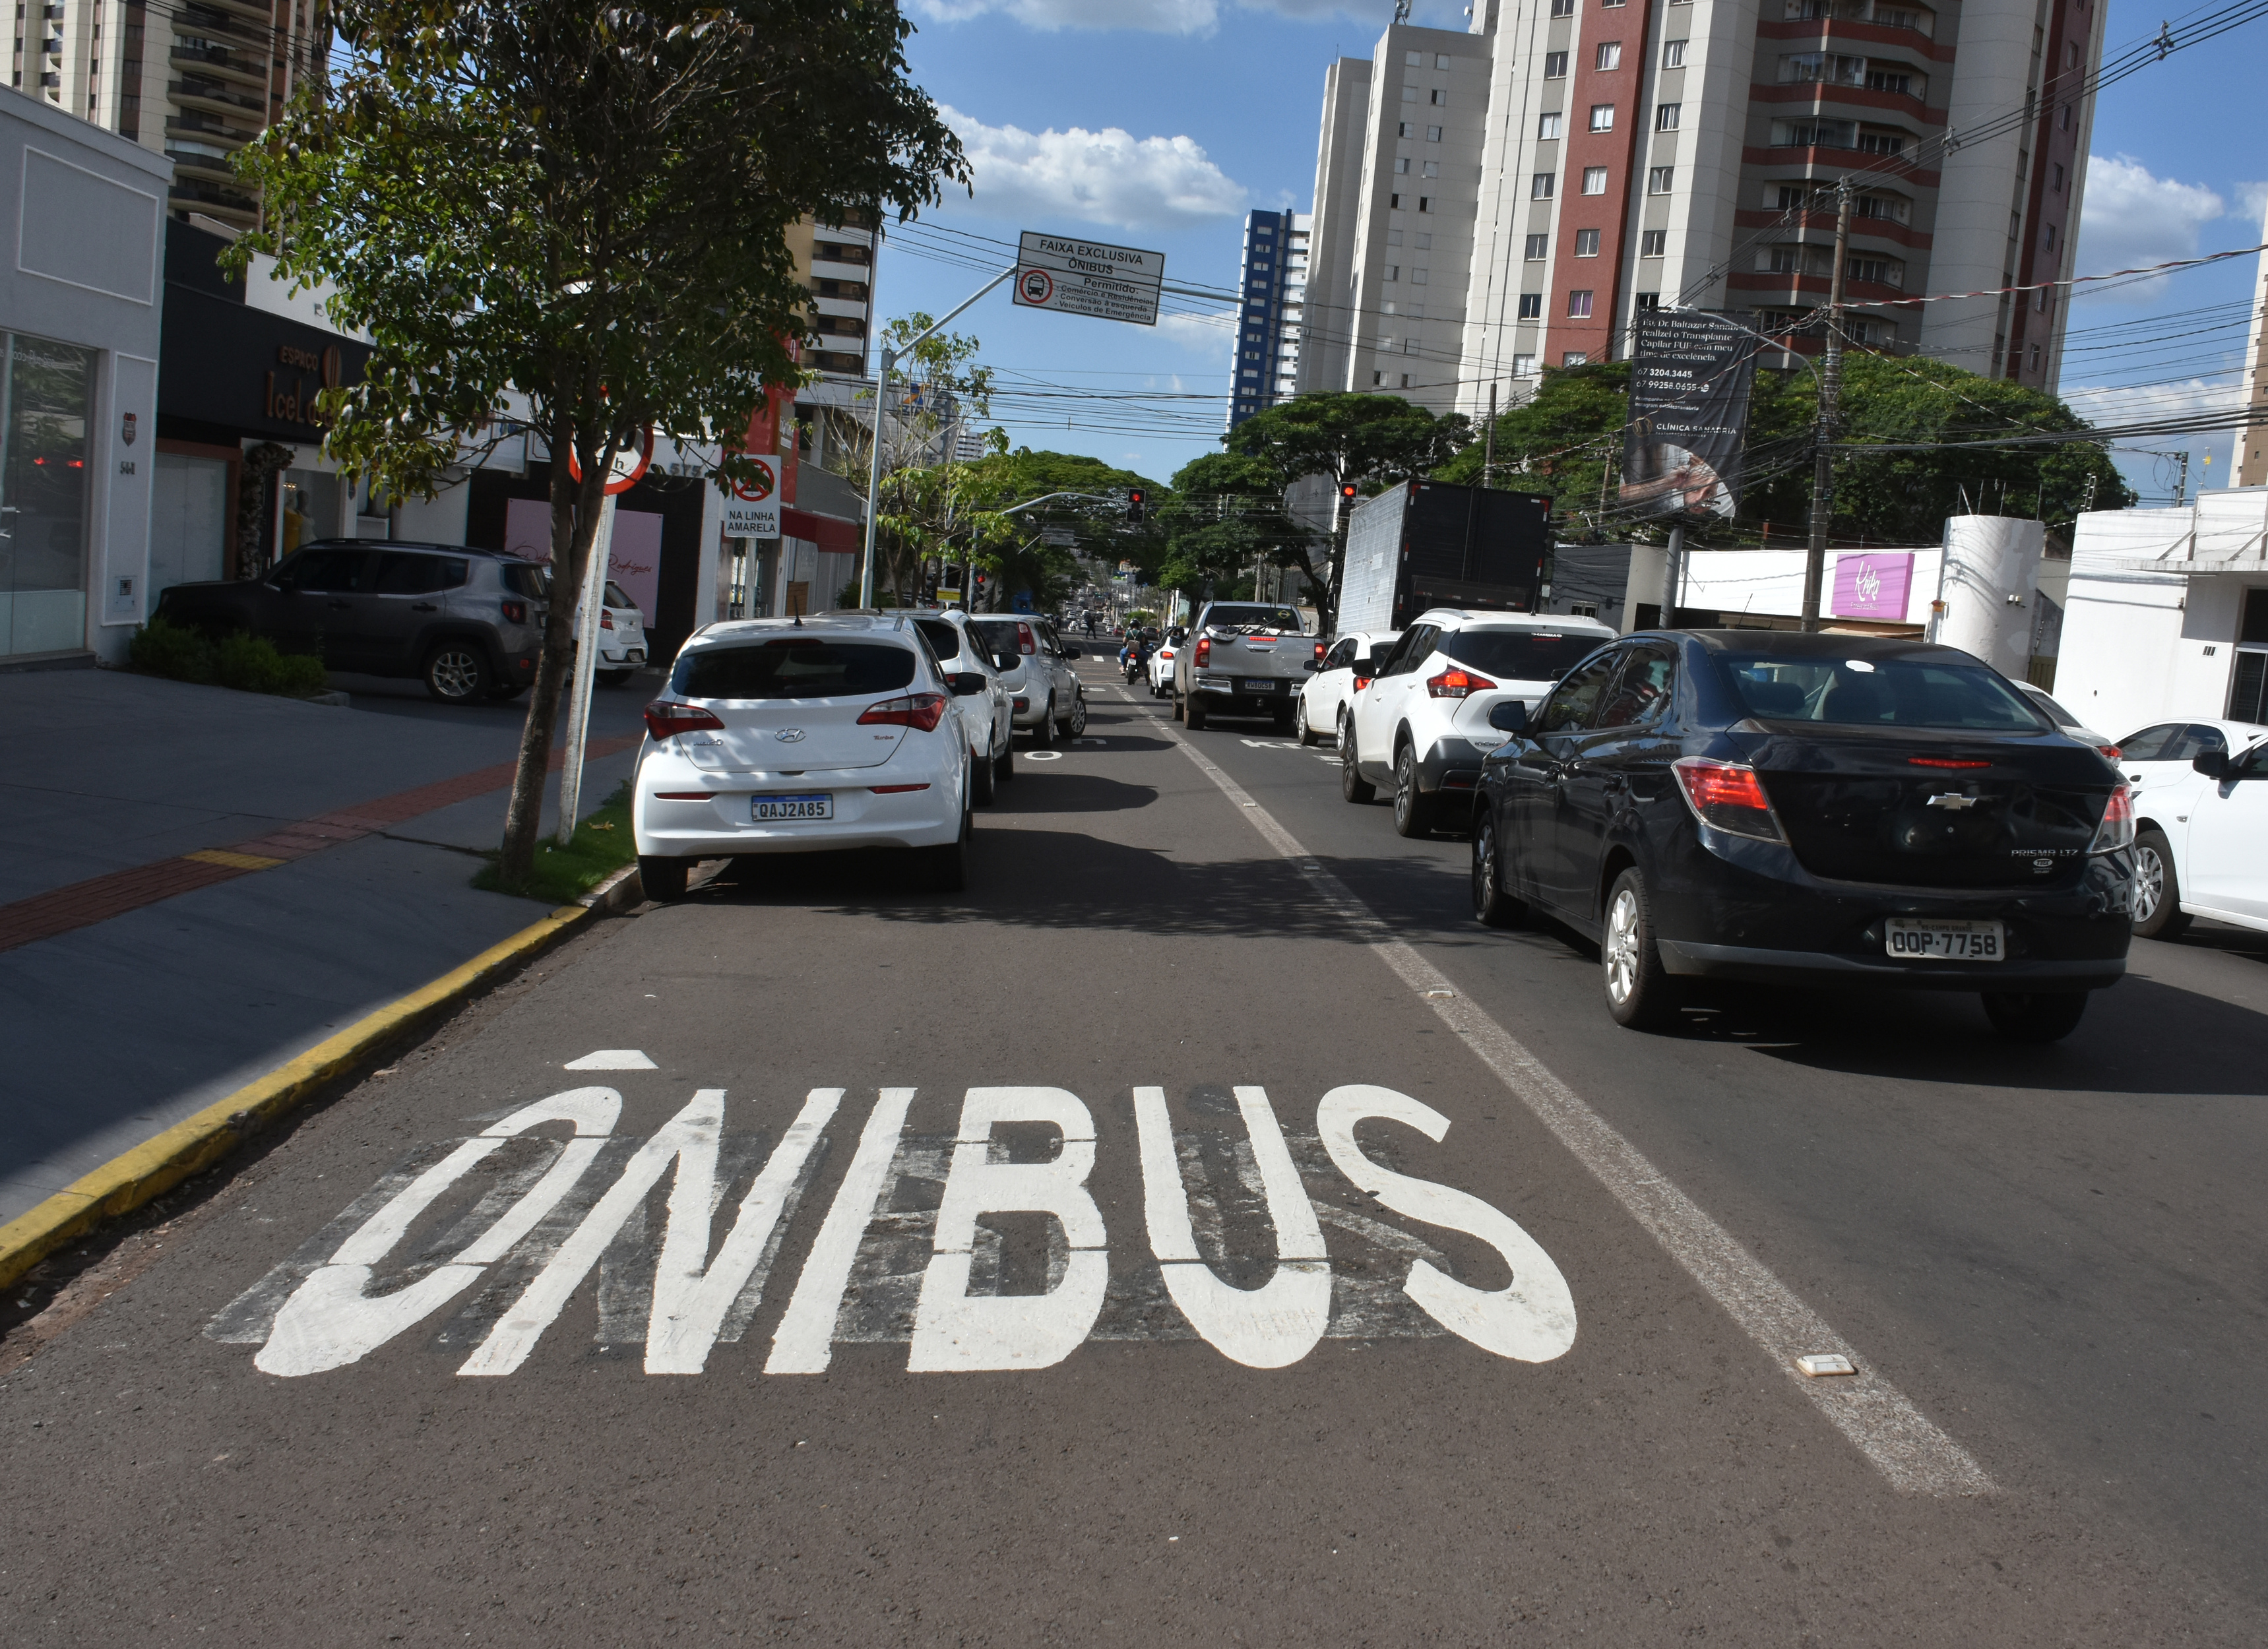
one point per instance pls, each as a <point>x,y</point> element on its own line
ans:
<point>1259,1240</point>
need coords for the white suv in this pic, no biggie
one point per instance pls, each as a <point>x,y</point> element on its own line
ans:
<point>1422,724</point>
<point>1046,694</point>
<point>777,736</point>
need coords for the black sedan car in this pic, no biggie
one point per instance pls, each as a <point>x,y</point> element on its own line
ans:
<point>1815,810</point>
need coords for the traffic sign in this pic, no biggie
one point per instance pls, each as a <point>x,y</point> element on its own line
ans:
<point>1088,277</point>
<point>752,507</point>
<point>628,466</point>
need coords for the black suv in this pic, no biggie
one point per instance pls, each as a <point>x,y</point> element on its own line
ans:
<point>1811,810</point>
<point>468,621</point>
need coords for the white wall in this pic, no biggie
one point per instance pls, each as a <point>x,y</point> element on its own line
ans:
<point>1771,581</point>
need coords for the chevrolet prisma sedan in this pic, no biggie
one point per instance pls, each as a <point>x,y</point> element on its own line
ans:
<point>1810,810</point>
<point>782,737</point>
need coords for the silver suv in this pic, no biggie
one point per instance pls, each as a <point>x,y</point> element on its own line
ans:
<point>961,651</point>
<point>469,622</point>
<point>1047,697</point>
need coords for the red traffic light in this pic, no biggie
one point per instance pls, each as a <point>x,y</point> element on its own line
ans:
<point>1134,497</point>
<point>1347,489</point>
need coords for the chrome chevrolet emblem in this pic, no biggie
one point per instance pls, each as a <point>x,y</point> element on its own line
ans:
<point>1951,799</point>
<point>789,735</point>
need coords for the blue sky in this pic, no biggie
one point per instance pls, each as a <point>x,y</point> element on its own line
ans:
<point>1157,123</point>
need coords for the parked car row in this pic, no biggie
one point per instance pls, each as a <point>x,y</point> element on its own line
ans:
<point>1797,810</point>
<point>467,622</point>
<point>846,730</point>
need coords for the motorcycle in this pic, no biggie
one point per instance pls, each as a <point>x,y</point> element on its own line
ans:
<point>1134,660</point>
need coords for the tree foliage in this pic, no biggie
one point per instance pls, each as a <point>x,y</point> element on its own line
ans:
<point>573,216</point>
<point>1564,440</point>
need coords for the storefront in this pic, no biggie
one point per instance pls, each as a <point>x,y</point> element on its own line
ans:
<point>78,373</point>
<point>240,475</point>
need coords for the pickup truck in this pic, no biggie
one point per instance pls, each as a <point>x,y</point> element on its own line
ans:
<point>1243,658</point>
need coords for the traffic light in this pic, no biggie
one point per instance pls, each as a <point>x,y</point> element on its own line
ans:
<point>1134,506</point>
<point>1347,490</point>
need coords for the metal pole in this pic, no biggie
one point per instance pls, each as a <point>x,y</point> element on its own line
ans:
<point>587,666</point>
<point>1488,443</point>
<point>1830,390</point>
<point>1671,596</point>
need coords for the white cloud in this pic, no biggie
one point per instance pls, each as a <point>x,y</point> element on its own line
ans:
<point>1105,177</point>
<point>2132,218</point>
<point>1159,17</point>
<point>2144,404</point>
<point>1205,334</point>
<point>2252,201</point>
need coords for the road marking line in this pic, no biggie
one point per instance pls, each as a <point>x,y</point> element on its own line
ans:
<point>1902,1444</point>
<point>612,1059</point>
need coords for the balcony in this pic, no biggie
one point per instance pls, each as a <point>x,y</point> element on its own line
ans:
<point>211,60</point>
<point>207,129</point>
<point>199,19</point>
<point>260,17</point>
<point>211,94</point>
<point>229,205</point>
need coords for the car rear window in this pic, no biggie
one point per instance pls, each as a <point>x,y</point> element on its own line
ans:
<point>1223,616</point>
<point>1879,692</point>
<point>793,667</point>
<point>408,572</point>
<point>618,597</point>
<point>999,633</point>
<point>943,637</point>
<point>1520,655</point>
<point>529,579</point>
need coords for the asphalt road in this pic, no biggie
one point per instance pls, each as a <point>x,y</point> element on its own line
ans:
<point>714,1352</point>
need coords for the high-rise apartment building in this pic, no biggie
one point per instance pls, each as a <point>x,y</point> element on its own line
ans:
<point>1491,203</point>
<point>194,79</point>
<point>2248,461</point>
<point>1272,296</point>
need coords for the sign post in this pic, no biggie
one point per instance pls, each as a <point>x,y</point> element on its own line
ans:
<point>628,469</point>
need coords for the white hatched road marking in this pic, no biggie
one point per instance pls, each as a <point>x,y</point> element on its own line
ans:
<point>1904,1444</point>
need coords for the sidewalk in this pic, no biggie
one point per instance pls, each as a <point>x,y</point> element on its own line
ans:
<point>196,885</point>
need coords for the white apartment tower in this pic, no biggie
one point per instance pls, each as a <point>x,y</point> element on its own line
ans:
<point>193,79</point>
<point>1492,202</point>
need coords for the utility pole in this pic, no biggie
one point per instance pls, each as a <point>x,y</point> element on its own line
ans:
<point>1830,393</point>
<point>2182,486</point>
<point>1488,443</point>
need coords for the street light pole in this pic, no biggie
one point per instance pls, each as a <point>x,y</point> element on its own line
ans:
<point>1830,390</point>
<point>889,359</point>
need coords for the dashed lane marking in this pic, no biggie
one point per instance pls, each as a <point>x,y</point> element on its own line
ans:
<point>611,1059</point>
<point>1902,1444</point>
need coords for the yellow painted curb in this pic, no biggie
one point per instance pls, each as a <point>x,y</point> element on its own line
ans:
<point>125,1183</point>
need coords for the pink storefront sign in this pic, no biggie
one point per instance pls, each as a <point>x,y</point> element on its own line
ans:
<point>1874,586</point>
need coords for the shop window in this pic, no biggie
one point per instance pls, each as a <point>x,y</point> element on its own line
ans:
<point>43,485</point>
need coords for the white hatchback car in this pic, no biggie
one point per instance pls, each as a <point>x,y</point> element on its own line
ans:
<point>1422,725</point>
<point>622,637</point>
<point>1161,663</point>
<point>2200,839</point>
<point>1343,673</point>
<point>779,736</point>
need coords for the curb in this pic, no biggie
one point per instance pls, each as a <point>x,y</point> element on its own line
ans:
<point>127,1181</point>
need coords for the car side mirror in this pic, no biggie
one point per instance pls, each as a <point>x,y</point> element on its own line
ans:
<point>1508,715</point>
<point>967,683</point>
<point>2212,763</point>
<point>1314,665</point>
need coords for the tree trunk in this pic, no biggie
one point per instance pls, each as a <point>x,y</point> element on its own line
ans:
<point>574,529</point>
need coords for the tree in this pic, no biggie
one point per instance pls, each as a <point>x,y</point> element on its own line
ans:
<point>572,215</point>
<point>1564,440</point>
<point>1371,442</point>
<point>1021,559</point>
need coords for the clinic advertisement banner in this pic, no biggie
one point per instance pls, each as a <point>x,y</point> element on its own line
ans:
<point>1690,373</point>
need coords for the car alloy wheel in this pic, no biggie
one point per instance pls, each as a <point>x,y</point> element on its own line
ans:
<point>1621,947</point>
<point>456,673</point>
<point>1413,809</point>
<point>1640,993</point>
<point>2158,913</point>
<point>1299,728</point>
<point>1043,732</point>
<point>1075,724</point>
<point>1492,906</point>
<point>1352,785</point>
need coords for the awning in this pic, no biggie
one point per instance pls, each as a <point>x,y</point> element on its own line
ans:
<point>829,532</point>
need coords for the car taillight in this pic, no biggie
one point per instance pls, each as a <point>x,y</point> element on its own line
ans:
<point>1727,796</point>
<point>923,710</point>
<point>1939,760</point>
<point>1204,650</point>
<point>1025,644</point>
<point>2117,829</point>
<point>515,611</point>
<point>1319,650</point>
<point>1360,682</point>
<point>606,619</point>
<point>2110,752</point>
<point>666,720</point>
<point>1456,683</point>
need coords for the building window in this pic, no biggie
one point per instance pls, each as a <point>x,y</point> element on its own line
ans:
<point>1562,8</point>
<point>1649,301</point>
<point>1539,247</point>
<point>1425,202</point>
<point>1531,306</point>
<point>1405,381</point>
<point>1410,94</point>
<point>1441,60</point>
<point>1574,357</point>
<point>1417,277</point>
<point>1673,53</point>
<point>1578,304</point>
<point>1393,202</point>
<point>1393,273</point>
<point>1609,56</point>
<point>1787,261</point>
<point>2057,182</point>
<point>1594,179</point>
<point>1652,243</point>
<point>2036,357</point>
<point>1539,187</point>
<point>1587,243</point>
<point>1547,128</point>
<point>1402,130</point>
<point>1432,168</point>
<point>1603,117</point>
<point>1658,179</point>
<point>1400,164</point>
<point>1523,366</point>
<point>1439,95</point>
<point>2047,237</point>
<point>1377,381</point>
<point>2063,117</point>
<point>1394,237</point>
<point>1433,134</point>
<point>1555,65</point>
<point>1665,116</point>
<point>1424,243</point>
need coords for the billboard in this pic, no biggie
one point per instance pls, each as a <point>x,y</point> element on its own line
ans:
<point>1689,406</point>
<point>1875,584</point>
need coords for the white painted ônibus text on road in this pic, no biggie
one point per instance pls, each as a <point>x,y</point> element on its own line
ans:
<point>928,1240</point>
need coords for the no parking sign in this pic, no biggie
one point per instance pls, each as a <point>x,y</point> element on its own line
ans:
<point>752,507</point>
